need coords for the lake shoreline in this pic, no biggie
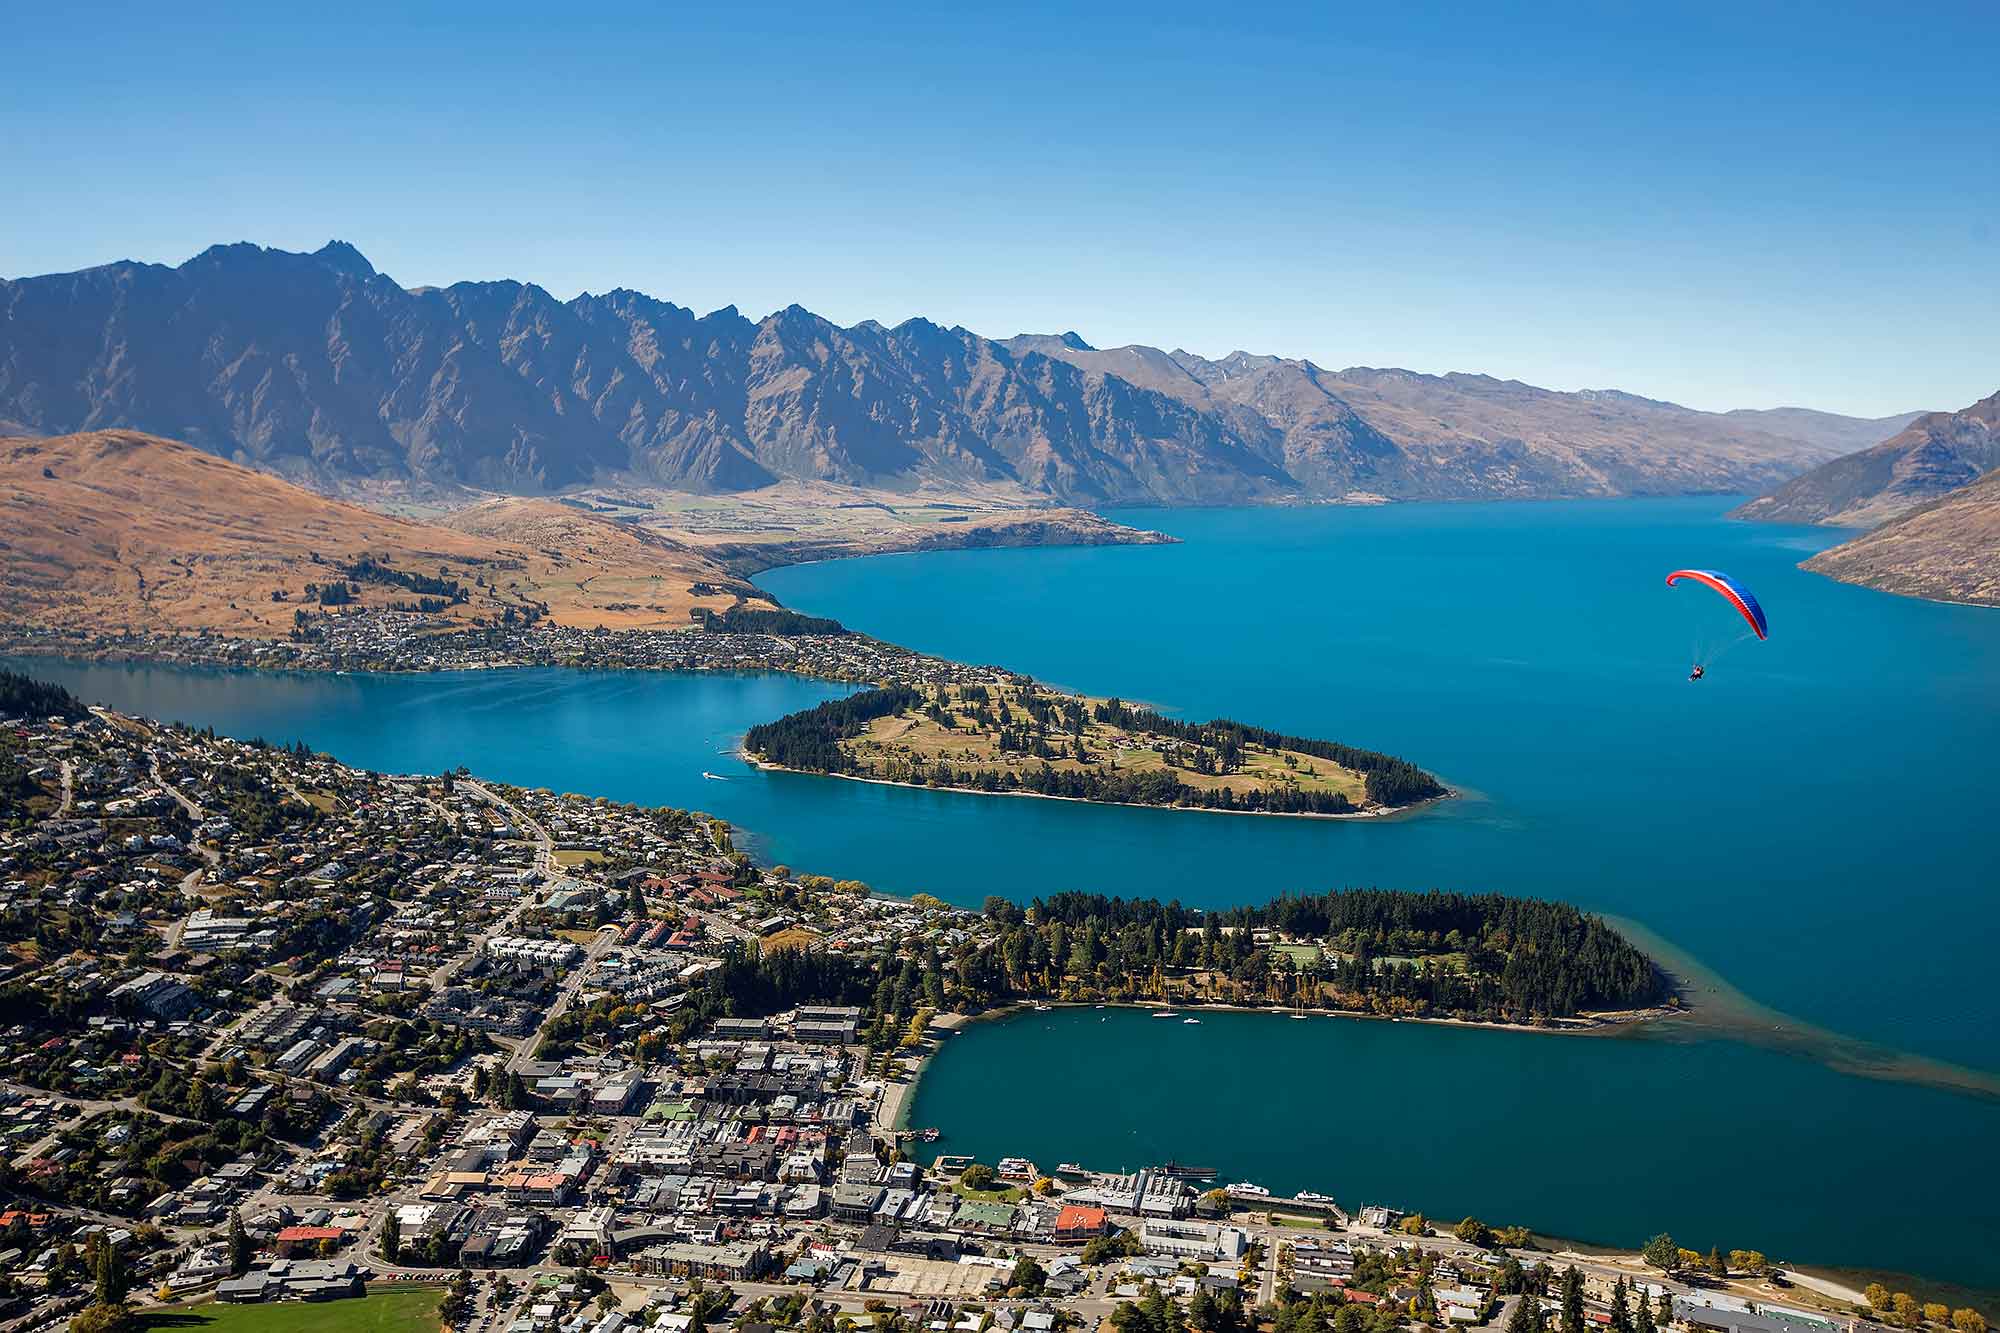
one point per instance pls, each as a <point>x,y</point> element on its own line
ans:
<point>1380,812</point>
<point>1040,1137</point>
<point>899,1098</point>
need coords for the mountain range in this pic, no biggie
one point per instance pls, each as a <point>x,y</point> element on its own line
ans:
<point>1930,494</point>
<point>1935,454</point>
<point>323,370</point>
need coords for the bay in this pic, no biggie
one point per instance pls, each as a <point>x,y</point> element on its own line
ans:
<point>1612,1139</point>
<point>1812,822</point>
<point>663,738</point>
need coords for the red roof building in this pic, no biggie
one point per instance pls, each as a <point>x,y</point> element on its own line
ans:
<point>1077,1222</point>
<point>293,1241</point>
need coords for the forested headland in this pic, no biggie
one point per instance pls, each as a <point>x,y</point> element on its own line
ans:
<point>1487,956</point>
<point>1017,737</point>
<point>1473,957</point>
<point>25,696</point>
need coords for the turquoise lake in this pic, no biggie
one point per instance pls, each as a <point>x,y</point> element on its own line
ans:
<point>1609,1139</point>
<point>1812,822</point>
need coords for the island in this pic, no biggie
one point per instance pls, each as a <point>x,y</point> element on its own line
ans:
<point>1011,735</point>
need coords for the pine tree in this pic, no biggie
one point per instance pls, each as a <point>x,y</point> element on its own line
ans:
<point>1527,1316</point>
<point>112,1281</point>
<point>1572,1301</point>
<point>1646,1323</point>
<point>239,1244</point>
<point>1621,1313</point>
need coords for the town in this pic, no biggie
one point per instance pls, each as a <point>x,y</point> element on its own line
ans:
<point>375,639</point>
<point>281,1030</point>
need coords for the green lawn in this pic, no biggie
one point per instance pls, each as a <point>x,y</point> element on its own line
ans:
<point>998,1194</point>
<point>1295,1220</point>
<point>396,1309</point>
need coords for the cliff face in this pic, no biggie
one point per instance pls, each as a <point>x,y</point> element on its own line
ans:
<point>1934,455</point>
<point>319,368</point>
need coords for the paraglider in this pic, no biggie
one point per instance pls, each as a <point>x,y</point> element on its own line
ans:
<point>1739,597</point>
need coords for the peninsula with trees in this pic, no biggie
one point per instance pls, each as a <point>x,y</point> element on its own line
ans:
<point>1014,736</point>
<point>1487,958</point>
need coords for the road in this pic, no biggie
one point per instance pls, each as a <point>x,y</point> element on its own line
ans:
<point>91,1106</point>
<point>192,880</point>
<point>572,986</point>
<point>545,846</point>
<point>187,805</point>
<point>551,873</point>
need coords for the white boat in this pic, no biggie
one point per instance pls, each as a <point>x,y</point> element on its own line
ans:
<point>713,777</point>
<point>1244,1187</point>
<point>1043,1008</point>
<point>1166,1013</point>
<point>1190,1020</point>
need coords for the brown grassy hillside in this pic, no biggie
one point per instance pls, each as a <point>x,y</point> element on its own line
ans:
<point>1948,550</point>
<point>114,530</point>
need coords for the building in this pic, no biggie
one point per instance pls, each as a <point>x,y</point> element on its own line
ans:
<point>301,1279</point>
<point>1080,1222</point>
<point>855,1201</point>
<point>1200,1241</point>
<point>158,994</point>
<point>1142,1194</point>
<point>295,1242</point>
<point>738,1262</point>
<point>332,1064</point>
<point>501,1239</point>
<point>828,1024</point>
<point>1700,1313</point>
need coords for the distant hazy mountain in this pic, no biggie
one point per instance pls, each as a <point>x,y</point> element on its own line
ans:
<point>1948,549</point>
<point>1453,436</point>
<point>1804,423</point>
<point>1932,456</point>
<point>319,368</point>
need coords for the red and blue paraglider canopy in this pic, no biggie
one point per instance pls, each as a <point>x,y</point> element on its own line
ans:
<point>1737,595</point>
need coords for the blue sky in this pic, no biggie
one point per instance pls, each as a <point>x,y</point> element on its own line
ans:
<point>1727,205</point>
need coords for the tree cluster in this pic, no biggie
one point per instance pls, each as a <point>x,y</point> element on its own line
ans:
<point>740,619</point>
<point>25,696</point>
<point>1522,956</point>
<point>810,740</point>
